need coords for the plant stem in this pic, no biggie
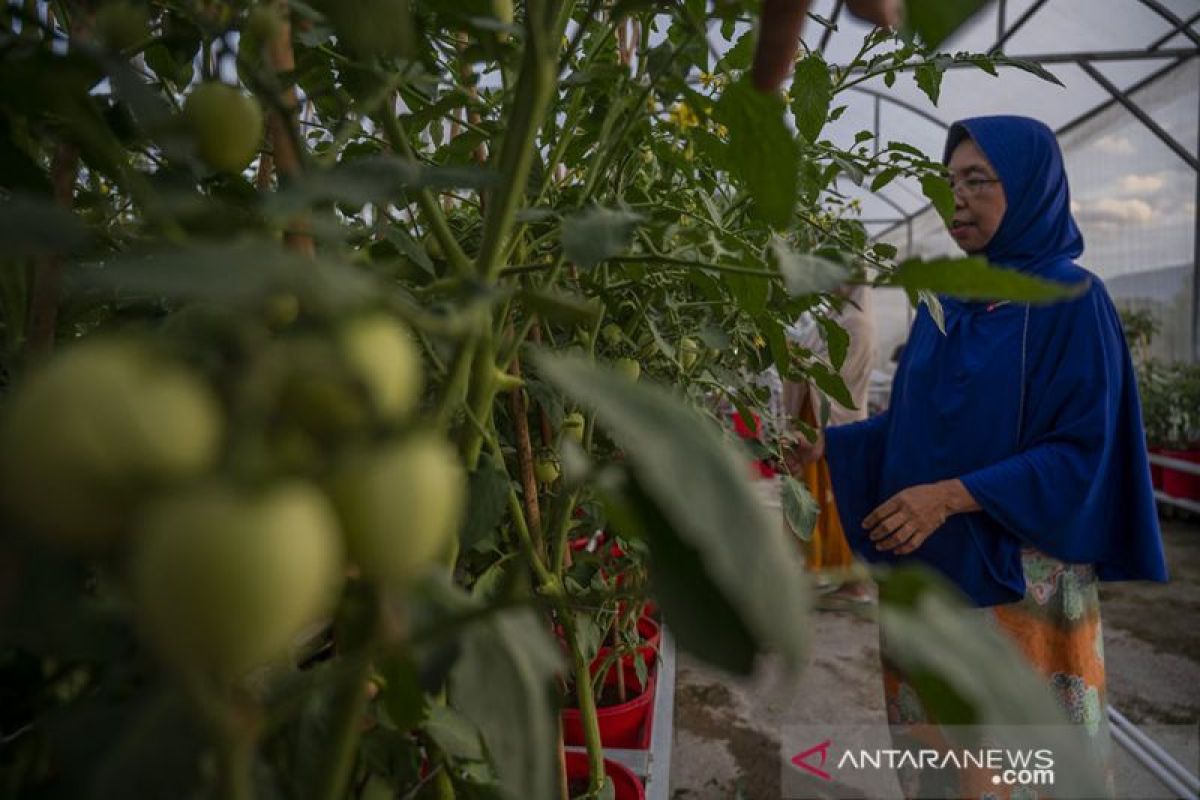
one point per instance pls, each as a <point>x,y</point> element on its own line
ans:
<point>235,723</point>
<point>237,762</point>
<point>508,355</point>
<point>454,390</point>
<point>433,214</point>
<point>350,704</point>
<point>587,704</point>
<point>546,579</point>
<point>443,785</point>
<point>561,523</point>
<point>481,394</point>
<point>534,89</point>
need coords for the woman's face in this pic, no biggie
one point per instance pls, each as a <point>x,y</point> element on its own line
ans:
<point>979,202</point>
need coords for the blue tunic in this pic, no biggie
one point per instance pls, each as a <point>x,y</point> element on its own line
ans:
<point>1034,408</point>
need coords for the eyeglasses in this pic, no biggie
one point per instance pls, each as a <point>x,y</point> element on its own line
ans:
<point>969,187</point>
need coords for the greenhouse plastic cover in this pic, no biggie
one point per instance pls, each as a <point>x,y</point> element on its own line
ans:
<point>1134,197</point>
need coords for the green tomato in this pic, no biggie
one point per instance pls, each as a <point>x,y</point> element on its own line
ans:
<point>227,126</point>
<point>689,352</point>
<point>502,10</point>
<point>630,368</point>
<point>91,433</point>
<point>373,28</point>
<point>401,506</point>
<point>310,383</point>
<point>121,24</point>
<point>572,426</point>
<point>612,333</point>
<point>382,355</point>
<point>225,579</point>
<point>433,248</point>
<point>281,309</point>
<point>546,470</point>
<point>264,22</point>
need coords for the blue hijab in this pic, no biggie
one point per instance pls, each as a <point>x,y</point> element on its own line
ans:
<point>1034,408</point>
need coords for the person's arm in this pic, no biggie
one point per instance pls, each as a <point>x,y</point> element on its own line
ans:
<point>855,455</point>
<point>911,516</point>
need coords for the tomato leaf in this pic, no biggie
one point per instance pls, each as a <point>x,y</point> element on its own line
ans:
<point>937,190</point>
<point>799,508</point>
<point>929,81</point>
<point>830,383</point>
<point>504,680</point>
<point>488,499</point>
<point>762,152</point>
<point>703,542</point>
<point>812,90</point>
<point>975,279</point>
<point>29,226</point>
<point>935,20</point>
<point>804,273</point>
<point>837,341</point>
<point>596,234</point>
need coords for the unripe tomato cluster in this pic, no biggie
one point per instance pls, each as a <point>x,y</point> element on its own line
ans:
<point>119,448</point>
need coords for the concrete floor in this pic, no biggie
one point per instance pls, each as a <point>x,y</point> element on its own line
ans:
<point>727,731</point>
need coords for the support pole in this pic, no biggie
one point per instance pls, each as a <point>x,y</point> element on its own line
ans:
<point>1196,258</point>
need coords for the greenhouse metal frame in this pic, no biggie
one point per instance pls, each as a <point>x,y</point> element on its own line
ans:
<point>1175,46</point>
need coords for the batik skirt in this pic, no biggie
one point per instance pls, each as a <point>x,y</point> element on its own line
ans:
<point>1057,628</point>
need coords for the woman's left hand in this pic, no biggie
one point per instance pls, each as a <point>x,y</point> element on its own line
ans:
<point>904,522</point>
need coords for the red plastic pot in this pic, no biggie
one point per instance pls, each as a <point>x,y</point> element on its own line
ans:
<point>580,545</point>
<point>1156,471</point>
<point>620,724</point>
<point>1181,484</point>
<point>760,469</point>
<point>626,784</point>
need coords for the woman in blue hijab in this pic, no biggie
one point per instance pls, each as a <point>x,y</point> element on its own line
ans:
<point>1012,459</point>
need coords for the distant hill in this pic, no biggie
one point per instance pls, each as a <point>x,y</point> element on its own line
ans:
<point>1167,293</point>
<point>1160,285</point>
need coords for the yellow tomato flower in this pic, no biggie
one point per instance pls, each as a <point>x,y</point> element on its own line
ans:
<point>683,116</point>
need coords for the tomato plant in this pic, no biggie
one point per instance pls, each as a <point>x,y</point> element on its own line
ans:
<point>327,326</point>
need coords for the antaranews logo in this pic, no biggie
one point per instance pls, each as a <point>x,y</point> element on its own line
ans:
<point>857,762</point>
<point>801,760</point>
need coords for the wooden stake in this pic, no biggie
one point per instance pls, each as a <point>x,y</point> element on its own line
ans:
<point>525,463</point>
<point>47,271</point>
<point>282,131</point>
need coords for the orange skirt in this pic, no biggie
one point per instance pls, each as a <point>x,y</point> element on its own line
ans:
<point>1057,628</point>
<point>827,549</point>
